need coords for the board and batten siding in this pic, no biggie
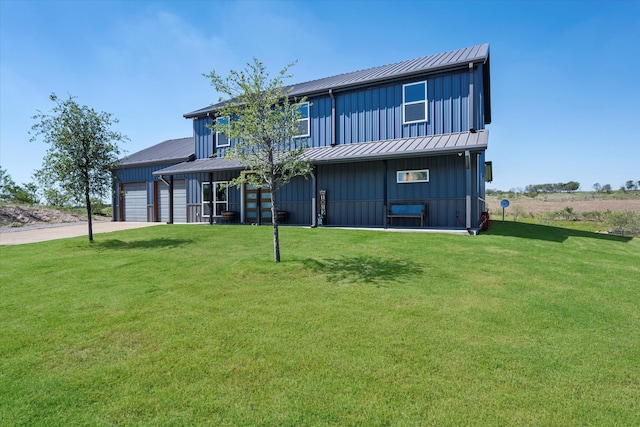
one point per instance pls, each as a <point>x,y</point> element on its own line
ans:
<point>203,137</point>
<point>140,174</point>
<point>375,113</point>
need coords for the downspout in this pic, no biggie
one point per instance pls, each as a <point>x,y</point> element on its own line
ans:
<point>472,114</point>
<point>334,132</point>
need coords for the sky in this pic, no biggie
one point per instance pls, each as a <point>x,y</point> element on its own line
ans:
<point>565,75</point>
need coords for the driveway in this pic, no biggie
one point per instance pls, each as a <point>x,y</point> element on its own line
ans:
<point>62,231</point>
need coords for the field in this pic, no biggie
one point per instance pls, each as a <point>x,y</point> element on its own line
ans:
<point>579,202</point>
<point>195,325</point>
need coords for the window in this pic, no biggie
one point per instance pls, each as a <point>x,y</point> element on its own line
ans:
<point>222,140</point>
<point>409,177</point>
<point>303,121</point>
<point>414,102</point>
<point>220,198</point>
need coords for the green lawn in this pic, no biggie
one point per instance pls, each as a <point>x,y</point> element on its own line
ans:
<point>195,325</point>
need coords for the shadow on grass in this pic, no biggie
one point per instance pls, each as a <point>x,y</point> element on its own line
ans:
<point>547,232</point>
<point>140,244</point>
<point>364,269</point>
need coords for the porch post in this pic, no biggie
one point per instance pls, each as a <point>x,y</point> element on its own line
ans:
<point>385,194</point>
<point>467,161</point>
<point>171,200</point>
<point>211,198</point>
<point>314,191</point>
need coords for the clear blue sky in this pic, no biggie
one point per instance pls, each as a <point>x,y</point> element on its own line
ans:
<point>565,74</point>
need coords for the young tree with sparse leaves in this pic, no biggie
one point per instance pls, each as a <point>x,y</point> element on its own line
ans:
<point>83,150</point>
<point>262,119</point>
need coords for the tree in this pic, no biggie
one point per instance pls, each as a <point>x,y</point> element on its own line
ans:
<point>11,192</point>
<point>263,120</point>
<point>7,186</point>
<point>83,149</point>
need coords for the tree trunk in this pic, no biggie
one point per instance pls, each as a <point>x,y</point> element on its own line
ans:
<point>89,223</point>
<point>274,221</point>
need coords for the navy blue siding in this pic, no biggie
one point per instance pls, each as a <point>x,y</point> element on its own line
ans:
<point>349,202</point>
<point>445,193</point>
<point>138,174</point>
<point>204,140</point>
<point>375,114</point>
<point>295,199</point>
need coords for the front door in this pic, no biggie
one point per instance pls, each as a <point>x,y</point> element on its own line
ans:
<point>257,204</point>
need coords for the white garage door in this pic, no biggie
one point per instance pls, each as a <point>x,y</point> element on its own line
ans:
<point>179,201</point>
<point>135,202</point>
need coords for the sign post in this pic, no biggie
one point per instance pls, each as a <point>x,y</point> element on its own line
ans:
<point>505,204</point>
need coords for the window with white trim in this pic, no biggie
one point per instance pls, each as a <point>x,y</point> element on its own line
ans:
<point>222,140</point>
<point>304,124</point>
<point>220,198</point>
<point>410,177</point>
<point>414,102</point>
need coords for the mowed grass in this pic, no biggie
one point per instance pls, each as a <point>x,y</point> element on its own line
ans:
<point>195,325</point>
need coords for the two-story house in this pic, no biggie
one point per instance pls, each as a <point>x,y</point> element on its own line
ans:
<point>410,133</point>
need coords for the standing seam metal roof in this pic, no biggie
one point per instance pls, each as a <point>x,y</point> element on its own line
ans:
<point>432,63</point>
<point>393,148</point>
<point>172,150</point>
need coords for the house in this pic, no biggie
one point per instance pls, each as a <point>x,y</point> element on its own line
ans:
<point>140,196</point>
<point>409,134</point>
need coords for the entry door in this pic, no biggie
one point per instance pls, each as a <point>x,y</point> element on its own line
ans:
<point>257,204</point>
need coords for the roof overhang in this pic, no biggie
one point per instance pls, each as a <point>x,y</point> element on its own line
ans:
<point>359,152</point>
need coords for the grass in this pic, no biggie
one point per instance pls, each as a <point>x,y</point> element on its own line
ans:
<point>195,325</point>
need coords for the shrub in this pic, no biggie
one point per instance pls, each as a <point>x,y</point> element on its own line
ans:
<point>623,222</point>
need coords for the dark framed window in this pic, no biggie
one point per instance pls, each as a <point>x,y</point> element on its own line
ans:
<point>414,102</point>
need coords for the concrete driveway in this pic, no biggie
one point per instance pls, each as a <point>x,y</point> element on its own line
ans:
<point>62,231</point>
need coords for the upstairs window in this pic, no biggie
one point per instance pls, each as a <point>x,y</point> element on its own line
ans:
<point>303,121</point>
<point>222,140</point>
<point>414,102</point>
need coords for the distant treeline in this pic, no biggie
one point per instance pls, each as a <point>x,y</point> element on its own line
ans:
<point>561,187</point>
<point>567,187</point>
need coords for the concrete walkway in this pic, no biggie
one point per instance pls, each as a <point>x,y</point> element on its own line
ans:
<point>63,231</point>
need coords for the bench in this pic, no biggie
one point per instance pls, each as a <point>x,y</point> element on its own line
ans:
<point>407,210</point>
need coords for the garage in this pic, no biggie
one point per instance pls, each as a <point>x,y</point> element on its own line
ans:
<point>134,199</point>
<point>179,201</point>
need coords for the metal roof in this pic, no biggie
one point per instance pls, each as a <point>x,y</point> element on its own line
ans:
<point>389,149</point>
<point>400,70</point>
<point>172,150</point>
<point>201,165</point>
<point>404,147</point>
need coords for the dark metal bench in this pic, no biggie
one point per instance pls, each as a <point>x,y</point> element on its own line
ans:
<point>407,210</point>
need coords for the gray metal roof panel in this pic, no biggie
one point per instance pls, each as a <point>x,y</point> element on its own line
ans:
<point>401,147</point>
<point>425,64</point>
<point>393,148</point>
<point>201,165</point>
<point>172,150</point>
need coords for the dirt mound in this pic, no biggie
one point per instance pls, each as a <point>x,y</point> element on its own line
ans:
<point>30,215</point>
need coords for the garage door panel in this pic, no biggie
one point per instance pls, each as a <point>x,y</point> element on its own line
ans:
<point>135,202</point>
